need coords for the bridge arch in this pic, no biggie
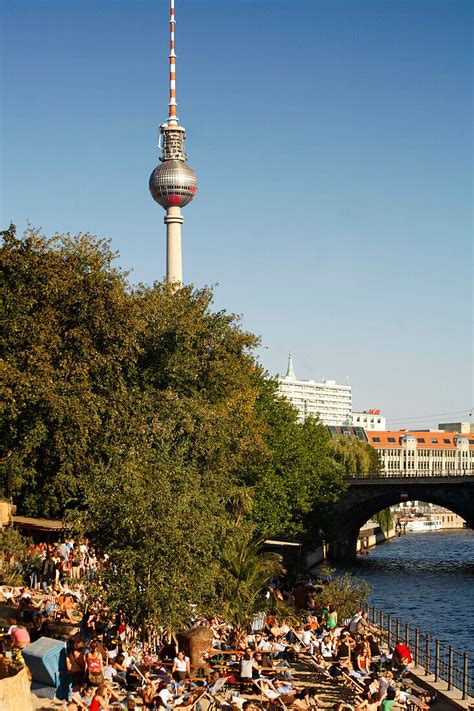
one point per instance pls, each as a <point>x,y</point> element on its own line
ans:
<point>366,497</point>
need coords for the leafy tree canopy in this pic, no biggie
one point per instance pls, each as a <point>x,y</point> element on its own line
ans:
<point>353,456</point>
<point>145,410</point>
<point>69,343</point>
<point>297,476</point>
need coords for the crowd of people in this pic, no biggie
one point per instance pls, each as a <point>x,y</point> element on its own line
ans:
<point>111,666</point>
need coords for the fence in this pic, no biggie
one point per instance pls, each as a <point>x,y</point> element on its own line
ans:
<point>436,657</point>
<point>413,474</point>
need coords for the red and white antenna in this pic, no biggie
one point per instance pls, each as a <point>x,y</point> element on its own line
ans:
<point>172,119</point>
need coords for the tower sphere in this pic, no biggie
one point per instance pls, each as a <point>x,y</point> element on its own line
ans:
<point>173,183</point>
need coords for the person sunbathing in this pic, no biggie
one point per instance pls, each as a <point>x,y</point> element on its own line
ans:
<point>285,693</point>
<point>11,594</point>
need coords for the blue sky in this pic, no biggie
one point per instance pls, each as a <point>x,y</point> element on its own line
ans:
<point>333,147</point>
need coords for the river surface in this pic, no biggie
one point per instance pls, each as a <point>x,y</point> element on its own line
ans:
<point>427,580</point>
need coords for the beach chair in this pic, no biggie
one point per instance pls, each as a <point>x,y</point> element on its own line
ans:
<point>352,683</point>
<point>211,694</point>
<point>304,647</point>
<point>269,694</point>
<point>322,671</point>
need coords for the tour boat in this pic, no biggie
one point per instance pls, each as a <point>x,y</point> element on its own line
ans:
<point>423,523</point>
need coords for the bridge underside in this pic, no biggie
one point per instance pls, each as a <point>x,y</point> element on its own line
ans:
<point>366,497</point>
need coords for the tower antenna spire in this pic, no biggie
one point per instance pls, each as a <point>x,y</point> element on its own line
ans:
<point>172,119</point>
<point>173,183</point>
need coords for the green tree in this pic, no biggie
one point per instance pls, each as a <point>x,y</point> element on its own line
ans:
<point>167,503</point>
<point>385,519</point>
<point>246,572</point>
<point>346,592</point>
<point>68,344</point>
<point>13,555</point>
<point>296,476</point>
<point>354,457</point>
<point>162,529</point>
<point>144,409</point>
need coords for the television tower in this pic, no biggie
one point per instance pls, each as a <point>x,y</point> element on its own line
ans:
<point>173,183</point>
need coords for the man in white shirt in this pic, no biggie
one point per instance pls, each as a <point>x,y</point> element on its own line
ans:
<point>352,626</point>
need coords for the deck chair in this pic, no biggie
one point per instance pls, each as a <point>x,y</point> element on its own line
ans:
<point>304,647</point>
<point>322,671</point>
<point>211,694</point>
<point>352,683</point>
<point>269,694</point>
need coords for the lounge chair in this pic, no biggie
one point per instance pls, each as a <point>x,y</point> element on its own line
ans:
<point>269,694</point>
<point>211,694</point>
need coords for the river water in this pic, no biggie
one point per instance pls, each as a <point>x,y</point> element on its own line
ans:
<point>427,580</point>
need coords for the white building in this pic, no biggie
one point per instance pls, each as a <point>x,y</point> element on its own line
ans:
<point>369,420</point>
<point>425,452</point>
<point>332,402</point>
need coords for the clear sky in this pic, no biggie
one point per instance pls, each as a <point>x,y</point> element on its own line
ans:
<point>333,146</point>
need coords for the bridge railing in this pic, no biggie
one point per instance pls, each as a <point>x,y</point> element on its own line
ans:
<point>414,474</point>
<point>434,656</point>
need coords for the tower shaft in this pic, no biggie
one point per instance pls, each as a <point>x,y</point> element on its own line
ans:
<point>173,183</point>
<point>174,264</point>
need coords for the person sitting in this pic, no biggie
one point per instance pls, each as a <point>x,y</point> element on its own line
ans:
<point>83,698</point>
<point>102,697</point>
<point>402,659</point>
<point>375,654</point>
<point>327,647</point>
<point>49,603</point>
<point>389,702</point>
<point>352,626</point>
<point>361,660</point>
<point>120,669</point>
<point>370,701</point>
<point>331,618</point>
<point>344,647</point>
<point>289,696</point>
<point>181,667</point>
<point>363,626</point>
<point>246,666</point>
<point>162,693</point>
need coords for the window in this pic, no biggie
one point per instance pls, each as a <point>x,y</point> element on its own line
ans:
<point>433,440</point>
<point>447,441</point>
<point>375,439</point>
<point>392,439</point>
<point>420,440</point>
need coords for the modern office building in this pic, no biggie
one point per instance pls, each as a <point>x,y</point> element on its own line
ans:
<point>326,398</point>
<point>369,420</point>
<point>426,452</point>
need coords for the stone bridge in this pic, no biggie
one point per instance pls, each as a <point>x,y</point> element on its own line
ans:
<point>365,497</point>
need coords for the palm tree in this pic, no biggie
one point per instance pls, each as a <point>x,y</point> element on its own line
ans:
<point>247,572</point>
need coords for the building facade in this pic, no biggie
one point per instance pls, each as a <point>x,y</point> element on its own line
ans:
<point>369,420</point>
<point>462,427</point>
<point>426,452</point>
<point>324,398</point>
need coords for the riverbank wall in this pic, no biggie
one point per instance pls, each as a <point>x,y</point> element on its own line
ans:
<point>371,535</point>
<point>448,699</point>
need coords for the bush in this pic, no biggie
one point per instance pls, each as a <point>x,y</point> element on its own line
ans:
<point>13,554</point>
<point>346,592</point>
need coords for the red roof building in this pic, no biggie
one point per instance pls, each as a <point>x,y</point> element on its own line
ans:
<point>426,452</point>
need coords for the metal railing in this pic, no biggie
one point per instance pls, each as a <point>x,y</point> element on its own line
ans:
<point>413,474</point>
<point>433,655</point>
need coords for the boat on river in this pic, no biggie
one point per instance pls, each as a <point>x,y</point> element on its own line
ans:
<point>421,524</point>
